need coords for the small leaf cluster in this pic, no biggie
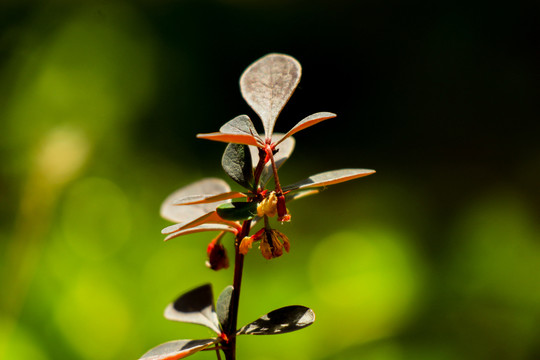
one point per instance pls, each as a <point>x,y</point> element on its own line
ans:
<point>251,160</point>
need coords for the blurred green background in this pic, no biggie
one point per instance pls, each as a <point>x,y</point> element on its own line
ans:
<point>437,256</point>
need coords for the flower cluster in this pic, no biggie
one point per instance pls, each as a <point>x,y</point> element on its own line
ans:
<point>251,160</point>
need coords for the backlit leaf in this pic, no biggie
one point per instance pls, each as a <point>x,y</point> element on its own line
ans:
<point>240,125</point>
<point>189,213</point>
<point>195,306</point>
<point>177,349</point>
<point>210,218</point>
<point>230,138</point>
<point>237,211</point>
<point>222,307</point>
<point>200,228</point>
<point>307,122</point>
<point>203,199</point>
<point>280,321</point>
<point>329,178</point>
<point>236,162</point>
<point>239,130</point>
<point>301,194</point>
<point>267,85</point>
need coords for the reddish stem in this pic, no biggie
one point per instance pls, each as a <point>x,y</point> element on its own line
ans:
<point>229,349</point>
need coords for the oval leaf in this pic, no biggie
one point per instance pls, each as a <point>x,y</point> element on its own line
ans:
<point>210,218</point>
<point>267,85</point>
<point>177,349</point>
<point>280,321</point>
<point>177,214</point>
<point>329,178</point>
<point>222,307</point>
<point>301,194</point>
<point>196,307</point>
<point>307,122</point>
<point>230,138</point>
<point>237,211</point>
<point>204,199</point>
<point>201,228</point>
<point>241,125</point>
<point>236,162</point>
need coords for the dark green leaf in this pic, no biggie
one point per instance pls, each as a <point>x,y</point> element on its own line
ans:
<point>267,85</point>
<point>195,306</point>
<point>237,164</point>
<point>177,349</point>
<point>329,178</point>
<point>280,321</point>
<point>222,307</point>
<point>237,211</point>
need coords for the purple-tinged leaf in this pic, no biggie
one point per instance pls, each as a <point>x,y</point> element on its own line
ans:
<point>189,213</point>
<point>241,125</point>
<point>301,194</point>
<point>223,305</point>
<point>329,178</point>
<point>210,218</point>
<point>196,307</point>
<point>267,85</point>
<point>230,138</point>
<point>237,211</point>
<point>307,122</point>
<point>205,199</point>
<point>285,150</point>
<point>280,321</point>
<point>236,162</point>
<point>177,349</point>
<point>201,228</point>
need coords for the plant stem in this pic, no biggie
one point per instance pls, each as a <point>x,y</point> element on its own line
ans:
<point>230,348</point>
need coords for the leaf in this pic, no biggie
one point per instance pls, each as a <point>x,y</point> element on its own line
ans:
<point>267,85</point>
<point>230,138</point>
<point>177,349</point>
<point>222,307</point>
<point>301,194</point>
<point>239,130</point>
<point>204,199</point>
<point>200,228</point>
<point>280,321</point>
<point>307,122</point>
<point>237,211</point>
<point>285,150</point>
<point>241,125</point>
<point>196,307</point>
<point>189,213</point>
<point>236,162</point>
<point>210,218</point>
<point>329,178</point>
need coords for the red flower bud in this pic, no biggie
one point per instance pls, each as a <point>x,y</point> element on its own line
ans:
<point>217,255</point>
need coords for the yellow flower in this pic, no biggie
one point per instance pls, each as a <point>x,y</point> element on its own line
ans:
<point>268,206</point>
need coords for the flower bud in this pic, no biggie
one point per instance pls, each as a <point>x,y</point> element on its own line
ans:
<point>217,255</point>
<point>283,214</point>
